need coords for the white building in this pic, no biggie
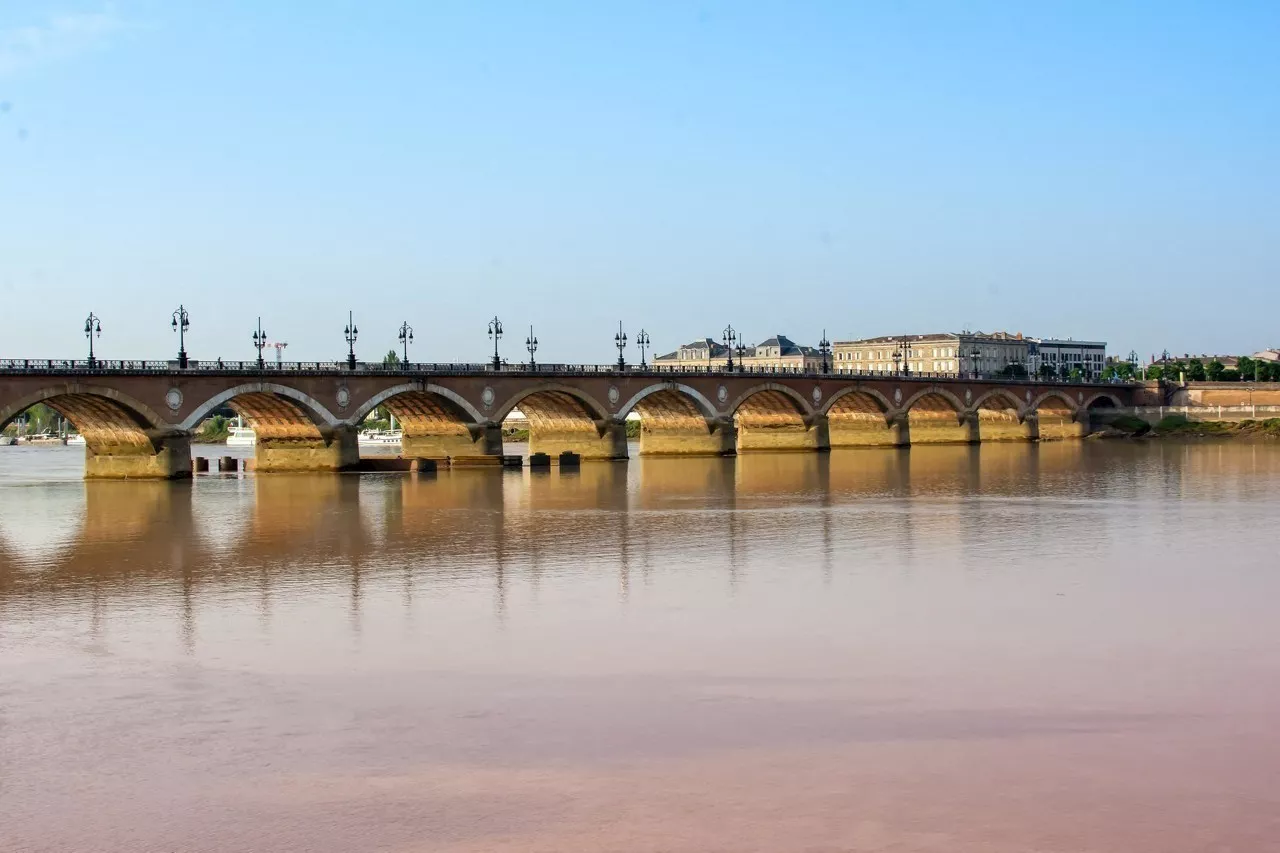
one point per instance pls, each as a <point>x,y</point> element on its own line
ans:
<point>1064,356</point>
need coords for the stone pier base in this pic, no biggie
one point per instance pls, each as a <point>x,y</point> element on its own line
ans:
<point>1061,427</point>
<point>782,438</point>
<point>1002,429</point>
<point>693,440</point>
<point>943,428</point>
<point>868,430</point>
<point>590,445</point>
<point>170,461</point>
<point>340,451</point>
<point>482,440</point>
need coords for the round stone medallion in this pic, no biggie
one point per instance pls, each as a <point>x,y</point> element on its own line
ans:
<point>897,395</point>
<point>486,397</point>
<point>1028,395</point>
<point>968,396</point>
<point>722,394</point>
<point>1079,396</point>
<point>173,399</point>
<point>613,394</point>
<point>817,394</point>
<point>344,397</point>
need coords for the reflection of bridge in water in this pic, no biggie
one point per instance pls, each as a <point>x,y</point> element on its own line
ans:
<point>138,417</point>
<point>259,535</point>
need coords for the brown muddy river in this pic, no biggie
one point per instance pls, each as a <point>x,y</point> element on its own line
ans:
<point>1067,647</point>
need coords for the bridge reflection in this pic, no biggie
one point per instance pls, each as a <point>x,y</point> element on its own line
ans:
<point>93,540</point>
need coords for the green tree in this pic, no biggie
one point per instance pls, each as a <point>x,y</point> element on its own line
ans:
<point>1013,371</point>
<point>1047,371</point>
<point>1214,371</point>
<point>1076,375</point>
<point>391,358</point>
<point>1195,370</point>
<point>1247,368</point>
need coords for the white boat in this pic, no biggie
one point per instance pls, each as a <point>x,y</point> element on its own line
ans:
<point>75,439</point>
<point>241,435</point>
<point>379,438</point>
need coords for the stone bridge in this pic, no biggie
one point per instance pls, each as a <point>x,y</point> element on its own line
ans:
<point>138,417</point>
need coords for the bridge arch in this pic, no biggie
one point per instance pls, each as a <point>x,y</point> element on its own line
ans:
<point>553,399</point>
<point>1056,401</point>
<point>677,420</point>
<point>411,390</point>
<point>775,417</point>
<point>563,418</point>
<point>435,422</point>
<point>269,404</point>
<point>936,416</point>
<point>108,419</point>
<point>675,393</point>
<point>1001,417</point>
<point>857,399</point>
<point>1101,400</point>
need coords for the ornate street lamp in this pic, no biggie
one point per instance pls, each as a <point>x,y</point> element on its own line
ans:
<point>92,326</point>
<point>730,337</point>
<point>906,355</point>
<point>824,347</point>
<point>974,355</point>
<point>620,341</point>
<point>642,341</point>
<point>897,361</point>
<point>531,344</point>
<point>742,351</point>
<point>260,341</point>
<point>180,325</point>
<point>406,338</point>
<point>495,334</point>
<point>349,333</point>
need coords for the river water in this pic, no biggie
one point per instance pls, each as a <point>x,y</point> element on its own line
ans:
<point>1065,647</point>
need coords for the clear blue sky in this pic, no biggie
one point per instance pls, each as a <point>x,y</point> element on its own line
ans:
<point>1104,170</point>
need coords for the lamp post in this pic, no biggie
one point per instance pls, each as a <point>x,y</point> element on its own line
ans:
<point>260,341</point>
<point>495,334</point>
<point>897,362</point>
<point>973,358</point>
<point>906,355</point>
<point>406,338</point>
<point>531,344</point>
<point>729,337</point>
<point>180,325</point>
<point>620,341</point>
<point>824,347</point>
<point>92,326</point>
<point>742,352</point>
<point>642,341</point>
<point>349,333</point>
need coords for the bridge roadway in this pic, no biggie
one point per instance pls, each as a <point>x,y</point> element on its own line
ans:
<point>138,417</point>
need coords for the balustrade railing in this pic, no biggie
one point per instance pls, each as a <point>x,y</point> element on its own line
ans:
<point>113,366</point>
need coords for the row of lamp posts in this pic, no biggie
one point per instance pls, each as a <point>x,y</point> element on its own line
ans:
<point>730,337</point>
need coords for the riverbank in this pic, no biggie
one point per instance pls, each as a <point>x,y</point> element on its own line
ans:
<point>1179,426</point>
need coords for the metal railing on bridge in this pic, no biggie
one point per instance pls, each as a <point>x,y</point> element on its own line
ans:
<point>295,368</point>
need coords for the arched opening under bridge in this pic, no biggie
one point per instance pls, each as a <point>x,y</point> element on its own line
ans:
<point>776,418</point>
<point>563,419</point>
<point>860,419</point>
<point>1056,417</point>
<point>122,438</point>
<point>999,419</point>
<point>291,431</point>
<point>675,420</point>
<point>436,423</point>
<point>936,417</point>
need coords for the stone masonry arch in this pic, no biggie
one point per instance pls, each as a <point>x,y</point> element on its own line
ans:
<point>936,416</point>
<point>435,422</point>
<point>777,418</point>
<point>676,420</point>
<point>859,417</point>
<point>566,419</point>
<point>124,438</point>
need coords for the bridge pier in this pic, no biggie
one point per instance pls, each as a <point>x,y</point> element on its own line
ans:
<point>1002,428</point>
<point>775,436</point>
<point>336,450</point>
<point>1059,425</point>
<point>706,438</point>
<point>944,428</point>
<point>604,441</point>
<point>869,430</point>
<point>168,458</point>
<point>482,439</point>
